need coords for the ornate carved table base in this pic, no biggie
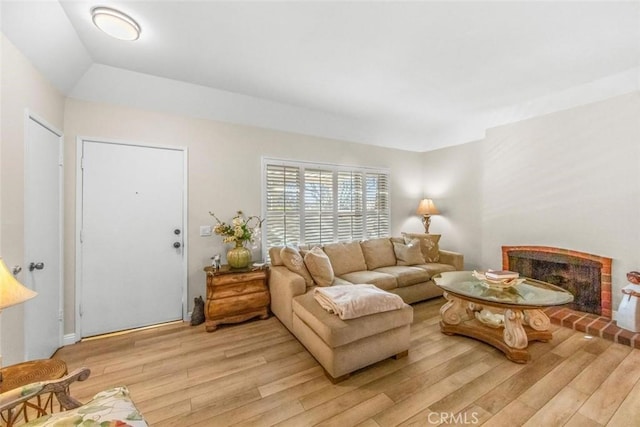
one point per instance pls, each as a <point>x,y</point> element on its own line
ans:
<point>503,326</point>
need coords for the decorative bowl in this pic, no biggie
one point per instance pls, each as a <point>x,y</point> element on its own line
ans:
<point>496,284</point>
<point>501,284</point>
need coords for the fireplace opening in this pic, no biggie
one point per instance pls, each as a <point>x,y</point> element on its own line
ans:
<point>586,276</point>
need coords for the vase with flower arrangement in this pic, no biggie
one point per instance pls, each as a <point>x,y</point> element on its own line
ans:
<point>240,231</point>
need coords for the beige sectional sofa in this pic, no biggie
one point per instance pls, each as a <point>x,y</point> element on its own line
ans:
<point>400,265</point>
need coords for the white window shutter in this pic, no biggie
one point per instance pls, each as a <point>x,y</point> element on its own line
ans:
<point>282,220</point>
<point>316,204</point>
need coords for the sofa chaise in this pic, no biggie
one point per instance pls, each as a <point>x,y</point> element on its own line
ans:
<point>400,265</point>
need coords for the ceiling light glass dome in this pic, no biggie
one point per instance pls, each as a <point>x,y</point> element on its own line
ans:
<point>115,23</point>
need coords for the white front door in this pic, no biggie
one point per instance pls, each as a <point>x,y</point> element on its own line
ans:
<point>132,236</point>
<point>43,238</point>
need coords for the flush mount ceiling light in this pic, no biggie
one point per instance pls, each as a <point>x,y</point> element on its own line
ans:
<point>115,23</point>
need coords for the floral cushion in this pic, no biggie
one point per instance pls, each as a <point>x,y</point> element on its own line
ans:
<point>108,408</point>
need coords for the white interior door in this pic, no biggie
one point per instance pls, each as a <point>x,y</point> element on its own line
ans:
<point>43,238</point>
<point>132,236</point>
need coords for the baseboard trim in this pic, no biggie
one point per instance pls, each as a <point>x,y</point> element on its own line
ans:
<point>69,339</point>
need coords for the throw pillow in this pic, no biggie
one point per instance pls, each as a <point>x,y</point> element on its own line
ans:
<point>292,259</point>
<point>378,253</point>
<point>345,257</point>
<point>319,267</point>
<point>428,245</point>
<point>409,254</point>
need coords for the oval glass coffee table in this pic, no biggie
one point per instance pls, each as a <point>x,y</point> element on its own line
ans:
<point>505,318</point>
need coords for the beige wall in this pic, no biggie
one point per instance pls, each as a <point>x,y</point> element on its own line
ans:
<point>568,179</point>
<point>453,179</point>
<point>22,87</point>
<point>224,172</point>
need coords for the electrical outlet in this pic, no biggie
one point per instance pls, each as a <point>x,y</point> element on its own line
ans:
<point>205,230</point>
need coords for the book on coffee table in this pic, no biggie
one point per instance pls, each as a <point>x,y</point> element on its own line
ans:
<point>501,274</point>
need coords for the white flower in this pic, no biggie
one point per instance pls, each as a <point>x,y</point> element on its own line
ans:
<point>240,230</point>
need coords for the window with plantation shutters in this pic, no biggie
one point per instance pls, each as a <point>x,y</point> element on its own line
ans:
<point>282,206</point>
<point>350,206</point>
<point>316,204</point>
<point>377,204</point>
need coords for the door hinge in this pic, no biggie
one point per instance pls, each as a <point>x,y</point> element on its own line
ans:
<point>60,316</point>
<point>82,162</point>
<point>81,236</point>
<point>80,310</point>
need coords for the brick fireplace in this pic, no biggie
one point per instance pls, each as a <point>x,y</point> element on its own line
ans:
<point>568,262</point>
<point>586,276</point>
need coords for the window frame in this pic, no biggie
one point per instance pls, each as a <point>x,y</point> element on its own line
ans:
<point>335,170</point>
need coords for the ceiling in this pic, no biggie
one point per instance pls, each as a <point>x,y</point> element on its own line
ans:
<point>409,75</point>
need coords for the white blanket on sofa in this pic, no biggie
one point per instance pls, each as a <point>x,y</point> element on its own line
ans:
<point>351,301</point>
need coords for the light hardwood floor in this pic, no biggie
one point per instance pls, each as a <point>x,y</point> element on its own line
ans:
<point>256,373</point>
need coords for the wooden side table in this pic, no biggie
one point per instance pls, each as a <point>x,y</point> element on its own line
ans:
<point>235,295</point>
<point>21,374</point>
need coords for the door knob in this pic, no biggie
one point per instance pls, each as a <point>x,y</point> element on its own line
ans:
<point>36,266</point>
<point>176,245</point>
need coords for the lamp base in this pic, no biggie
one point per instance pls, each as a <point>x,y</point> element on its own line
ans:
<point>426,221</point>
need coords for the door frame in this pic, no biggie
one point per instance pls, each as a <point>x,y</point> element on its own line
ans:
<point>30,115</point>
<point>80,140</point>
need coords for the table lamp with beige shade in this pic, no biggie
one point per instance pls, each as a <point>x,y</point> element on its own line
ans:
<point>12,292</point>
<point>426,208</point>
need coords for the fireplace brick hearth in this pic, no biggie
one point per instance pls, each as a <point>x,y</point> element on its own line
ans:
<point>591,324</point>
